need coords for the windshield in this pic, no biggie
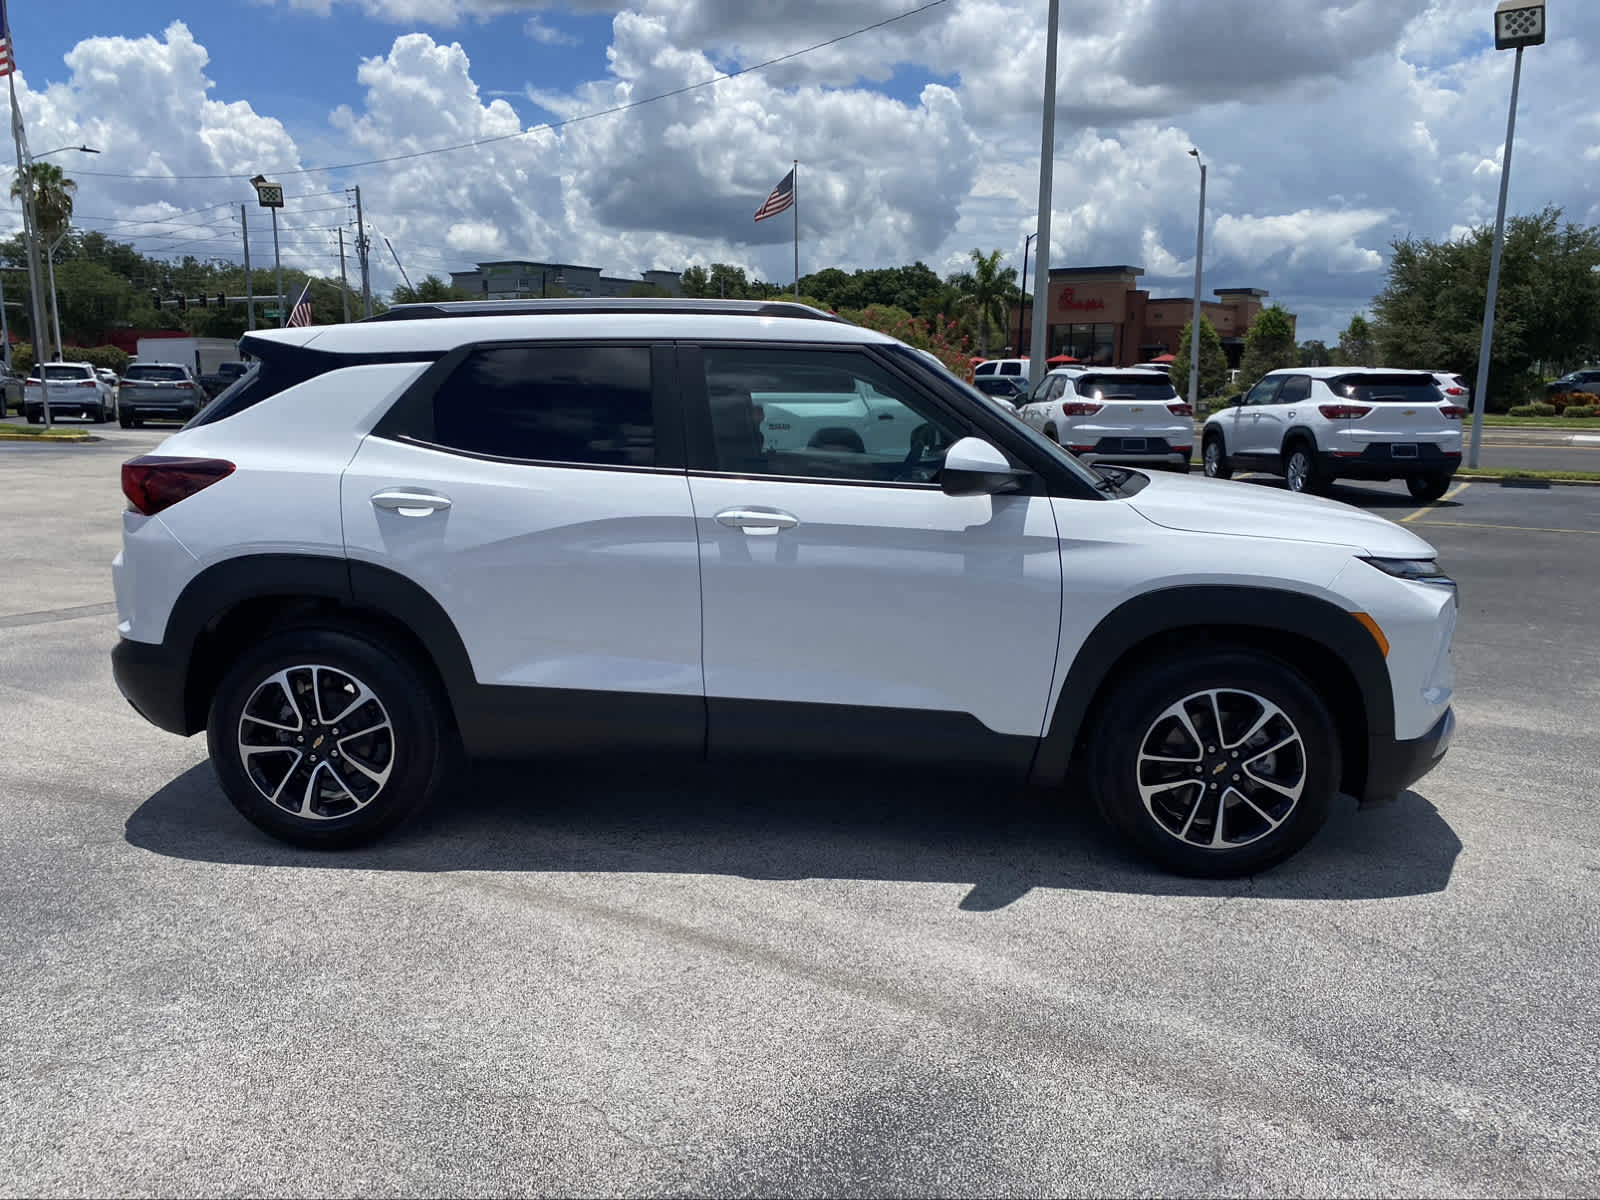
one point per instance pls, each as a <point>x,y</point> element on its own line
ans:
<point>1151,386</point>
<point>1395,388</point>
<point>155,374</point>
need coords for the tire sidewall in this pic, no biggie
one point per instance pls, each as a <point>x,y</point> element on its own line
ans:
<point>414,713</point>
<point>1221,470</point>
<point>1134,707</point>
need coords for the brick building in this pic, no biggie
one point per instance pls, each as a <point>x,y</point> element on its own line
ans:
<point>518,279</point>
<point>1100,315</point>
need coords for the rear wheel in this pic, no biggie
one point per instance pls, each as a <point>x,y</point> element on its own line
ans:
<point>1425,489</point>
<point>124,420</point>
<point>325,739</point>
<point>1222,763</point>
<point>99,416</point>
<point>1301,472</point>
<point>1215,457</point>
<point>35,417</point>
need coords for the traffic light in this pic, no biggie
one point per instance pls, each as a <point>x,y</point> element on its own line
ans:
<point>205,300</point>
<point>155,298</point>
<point>183,302</point>
<point>222,300</point>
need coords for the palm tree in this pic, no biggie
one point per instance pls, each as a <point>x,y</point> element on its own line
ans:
<point>52,197</point>
<point>52,215</point>
<point>991,291</point>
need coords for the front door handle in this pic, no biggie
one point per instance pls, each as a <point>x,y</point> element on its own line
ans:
<point>885,416</point>
<point>410,504</point>
<point>757,522</point>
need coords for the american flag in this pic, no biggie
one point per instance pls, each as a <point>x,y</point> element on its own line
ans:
<point>782,197</point>
<point>7,62</point>
<point>301,313</point>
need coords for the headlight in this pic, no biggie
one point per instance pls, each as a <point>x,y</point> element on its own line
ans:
<point>1417,570</point>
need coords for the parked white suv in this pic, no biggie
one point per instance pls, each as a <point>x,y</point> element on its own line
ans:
<point>566,527</point>
<point>1313,425</point>
<point>1113,415</point>
<point>76,390</point>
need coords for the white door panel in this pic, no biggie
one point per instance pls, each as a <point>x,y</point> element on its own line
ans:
<point>559,577</point>
<point>895,597</point>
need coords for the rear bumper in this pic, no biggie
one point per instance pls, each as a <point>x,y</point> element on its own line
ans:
<point>1378,461</point>
<point>152,679</point>
<point>1394,765</point>
<point>158,409</point>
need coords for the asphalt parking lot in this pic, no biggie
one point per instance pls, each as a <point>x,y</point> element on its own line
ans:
<point>630,980</point>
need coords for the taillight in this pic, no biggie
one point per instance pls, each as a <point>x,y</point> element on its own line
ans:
<point>1455,391</point>
<point>1454,411</point>
<point>1081,449</point>
<point>1344,412</point>
<point>1078,408</point>
<point>153,482</point>
<point>87,383</point>
<point>1181,410</point>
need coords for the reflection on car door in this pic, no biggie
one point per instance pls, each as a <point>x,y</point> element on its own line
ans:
<point>848,601</point>
<point>1286,409</point>
<point>1251,438</point>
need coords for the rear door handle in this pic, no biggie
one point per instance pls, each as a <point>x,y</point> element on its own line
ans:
<point>755,522</point>
<point>885,416</point>
<point>410,504</point>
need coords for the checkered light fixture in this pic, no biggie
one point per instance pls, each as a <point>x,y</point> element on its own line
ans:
<point>1518,23</point>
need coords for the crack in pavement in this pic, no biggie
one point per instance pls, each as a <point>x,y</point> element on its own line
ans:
<point>57,614</point>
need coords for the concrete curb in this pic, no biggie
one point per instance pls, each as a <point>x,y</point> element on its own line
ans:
<point>55,439</point>
<point>1524,480</point>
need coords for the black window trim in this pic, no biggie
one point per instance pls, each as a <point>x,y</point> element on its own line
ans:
<point>413,409</point>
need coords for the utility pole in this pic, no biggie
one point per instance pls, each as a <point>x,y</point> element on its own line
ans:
<point>30,237</point>
<point>5,328</point>
<point>344,285</point>
<point>361,257</point>
<point>1047,150</point>
<point>249,284</point>
<point>1194,321</point>
<point>277,263</point>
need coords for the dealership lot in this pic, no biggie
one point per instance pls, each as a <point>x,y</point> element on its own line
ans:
<point>624,979</point>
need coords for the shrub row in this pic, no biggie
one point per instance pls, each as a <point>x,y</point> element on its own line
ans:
<point>95,356</point>
<point>1550,410</point>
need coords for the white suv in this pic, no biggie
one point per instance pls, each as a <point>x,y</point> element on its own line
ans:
<point>1113,415</point>
<point>76,390</point>
<point>1313,425</point>
<point>593,527</point>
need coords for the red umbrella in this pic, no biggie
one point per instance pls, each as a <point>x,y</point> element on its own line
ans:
<point>1060,360</point>
<point>1166,358</point>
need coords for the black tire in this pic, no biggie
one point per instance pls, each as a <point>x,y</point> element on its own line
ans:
<point>1425,489</point>
<point>1050,432</point>
<point>1134,716</point>
<point>410,757</point>
<point>1182,468</point>
<point>1214,457</point>
<point>124,420</point>
<point>98,416</point>
<point>35,417</point>
<point>1301,472</point>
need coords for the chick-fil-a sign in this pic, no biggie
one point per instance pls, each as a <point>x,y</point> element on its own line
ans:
<point>1070,302</point>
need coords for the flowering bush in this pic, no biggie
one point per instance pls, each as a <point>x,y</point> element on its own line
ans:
<point>939,335</point>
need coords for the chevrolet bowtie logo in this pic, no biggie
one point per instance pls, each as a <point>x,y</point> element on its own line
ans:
<point>1221,767</point>
<point>318,742</point>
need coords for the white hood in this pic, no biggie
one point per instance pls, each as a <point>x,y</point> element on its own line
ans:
<point>1249,510</point>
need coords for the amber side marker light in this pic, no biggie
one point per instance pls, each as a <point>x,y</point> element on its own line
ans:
<point>1371,627</point>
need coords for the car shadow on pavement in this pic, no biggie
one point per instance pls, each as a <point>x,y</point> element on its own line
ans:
<point>1362,496</point>
<point>757,823</point>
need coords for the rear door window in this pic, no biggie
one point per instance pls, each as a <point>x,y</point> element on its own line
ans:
<point>1295,389</point>
<point>585,405</point>
<point>1395,388</point>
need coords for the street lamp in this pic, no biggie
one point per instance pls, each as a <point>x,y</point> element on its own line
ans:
<point>1022,292</point>
<point>1518,24</point>
<point>1047,153</point>
<point>1194,321</point>
<point>269,196</point>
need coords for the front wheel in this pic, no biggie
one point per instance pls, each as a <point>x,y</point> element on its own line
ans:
<point>1425,489</point>
<point>1215,458</point>
<point>1222,763</point>
<point>35,417</point>
<point>325,739</point>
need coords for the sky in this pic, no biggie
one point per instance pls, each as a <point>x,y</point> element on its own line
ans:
<point>1330,128</point>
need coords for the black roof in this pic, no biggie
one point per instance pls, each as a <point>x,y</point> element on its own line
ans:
<point>613,304</point>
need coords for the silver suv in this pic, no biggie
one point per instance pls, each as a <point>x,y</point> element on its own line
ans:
<point>158,391</point>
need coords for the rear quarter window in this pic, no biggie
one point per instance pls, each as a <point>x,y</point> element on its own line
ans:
<point>1151,386</point>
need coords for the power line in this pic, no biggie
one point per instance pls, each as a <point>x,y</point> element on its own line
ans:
<point>549,125</point>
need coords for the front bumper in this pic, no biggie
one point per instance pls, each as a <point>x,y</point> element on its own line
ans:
<point>153,680</point>
<point>1394,764</point>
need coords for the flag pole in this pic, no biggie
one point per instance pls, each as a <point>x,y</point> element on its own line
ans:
<point>796,229</point>
<point>30,235</point>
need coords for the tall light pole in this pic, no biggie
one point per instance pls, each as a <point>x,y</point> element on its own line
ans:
<point>1021,296</point>
<point>1194,321</point>
<point>1047,157</point>
<point>50,255</point>
<point>1518,24</point>
<point>270,196</point>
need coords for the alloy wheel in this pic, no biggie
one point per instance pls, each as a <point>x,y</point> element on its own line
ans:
<point>316,742</point>
<point>1221,768</point>
<point>1298,471</point>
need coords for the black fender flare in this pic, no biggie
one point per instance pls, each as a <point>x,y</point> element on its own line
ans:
<point>1297,433</point>
<point>359,587</point>
<point>1253,614</point>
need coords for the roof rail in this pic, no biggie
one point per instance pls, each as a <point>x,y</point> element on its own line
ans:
<point>428,310</point>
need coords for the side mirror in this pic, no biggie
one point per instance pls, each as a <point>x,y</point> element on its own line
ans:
<point>1233,401</point>
<point>972,467</point>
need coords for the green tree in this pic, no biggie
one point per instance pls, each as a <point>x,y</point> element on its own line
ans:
<point>431,290</point>
<point>1547,314</point>
<point>1315,353</point>
<point>52,197</point>
<point>1269,344</point>
<point>1213,361</point>
<point>1358,344</point>
<point>991,292</point>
